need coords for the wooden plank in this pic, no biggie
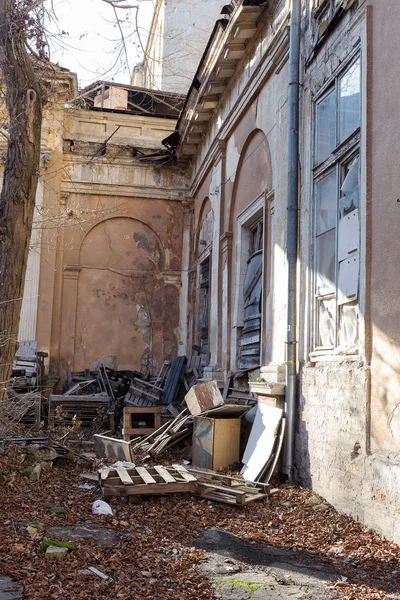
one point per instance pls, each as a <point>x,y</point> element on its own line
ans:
<point>124,475</point>
<point>107,447</point>
<point>151,489</point>
<point>261,441</point>
<point>173,381</point>
<point>164,474</point>
<point>184,473</point>
<point>239,494</point>
<point>145,475</point>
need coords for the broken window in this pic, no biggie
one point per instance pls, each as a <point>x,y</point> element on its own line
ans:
<point>250,344</point>
<point>337,221</point>
<point>324,12</point>
<point>204,307</point>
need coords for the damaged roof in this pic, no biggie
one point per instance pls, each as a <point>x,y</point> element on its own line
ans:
<point>139,101</point>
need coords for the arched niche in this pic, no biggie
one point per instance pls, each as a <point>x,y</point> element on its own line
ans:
<point>253,175</point>
<point>249,276</point>
<point>205,228</point>
<point>121,297</point>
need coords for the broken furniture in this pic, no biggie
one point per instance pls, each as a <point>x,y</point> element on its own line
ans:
<point>216,442</point>
<point>107,447</point>
<point>141,421</point>
<point>148,481</point>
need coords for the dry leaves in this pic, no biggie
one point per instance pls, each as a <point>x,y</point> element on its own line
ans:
<point>158,560</point>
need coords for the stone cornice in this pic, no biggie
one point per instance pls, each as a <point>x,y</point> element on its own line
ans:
<point>128,191</point>
<point>272,61</point>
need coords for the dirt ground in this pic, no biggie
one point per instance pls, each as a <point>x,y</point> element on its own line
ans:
<point>291,546</point>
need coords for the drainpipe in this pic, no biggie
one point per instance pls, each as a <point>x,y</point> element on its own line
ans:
<point>292,226</point>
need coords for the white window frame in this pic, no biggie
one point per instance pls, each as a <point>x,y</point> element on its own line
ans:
<point>244,221</point>
<point>342,154</point>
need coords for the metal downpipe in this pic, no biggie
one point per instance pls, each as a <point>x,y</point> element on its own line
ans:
<point>292,228</point>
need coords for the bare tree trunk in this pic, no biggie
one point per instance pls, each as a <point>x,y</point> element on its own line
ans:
<point>17,200</point>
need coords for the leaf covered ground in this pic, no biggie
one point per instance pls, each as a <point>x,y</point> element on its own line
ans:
<point>157,560</point>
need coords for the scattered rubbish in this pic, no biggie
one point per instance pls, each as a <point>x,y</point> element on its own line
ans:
<point>124,464</point>
<point>98,573</point>
<point>86,486</point>
<point>100,507</point>
<point>167,436</point>
<point>89,476</point>
<point>141,420</point>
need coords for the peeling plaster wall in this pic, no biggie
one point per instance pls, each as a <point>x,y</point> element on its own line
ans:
<point>116,260</point>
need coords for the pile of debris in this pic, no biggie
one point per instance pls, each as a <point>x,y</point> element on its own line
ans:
<point>97,398</point>
<point>214,433</point>
<point>25,390</point>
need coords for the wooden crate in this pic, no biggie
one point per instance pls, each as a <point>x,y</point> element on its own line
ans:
<point>151,481</point>
<point>216,442</point>
<point>149,416</point>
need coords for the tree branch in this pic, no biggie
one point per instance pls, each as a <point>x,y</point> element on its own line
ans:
<point>116,4</point>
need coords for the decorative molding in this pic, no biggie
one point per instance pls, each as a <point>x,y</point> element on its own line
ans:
<point>64,197</point>
<point>270,198</point>
<point>188,205</point>
<point>226,240</point>
<point>71,271</point>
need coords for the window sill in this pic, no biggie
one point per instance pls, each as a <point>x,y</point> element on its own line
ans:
<point>332,356</point>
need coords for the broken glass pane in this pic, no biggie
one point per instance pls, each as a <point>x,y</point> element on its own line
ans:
<point>325,127</point>
<point>325,191</point>
<point>349,101</point>
<point>348,279</point>
<point>350,187</point>
<point>348,326</point>
<point>326,322</point>
<point>325,263</point>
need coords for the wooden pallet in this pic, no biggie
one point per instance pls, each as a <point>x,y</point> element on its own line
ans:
<point>86,408</point>
<point>229,490</point>
<point>150,481</point>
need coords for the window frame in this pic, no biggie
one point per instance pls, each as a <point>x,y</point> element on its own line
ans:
<point>343,153</point>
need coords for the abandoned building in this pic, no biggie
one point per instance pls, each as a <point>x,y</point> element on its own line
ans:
<point>164,228</point>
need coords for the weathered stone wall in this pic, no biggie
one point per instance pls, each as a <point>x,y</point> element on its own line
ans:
<point>332,447</point>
